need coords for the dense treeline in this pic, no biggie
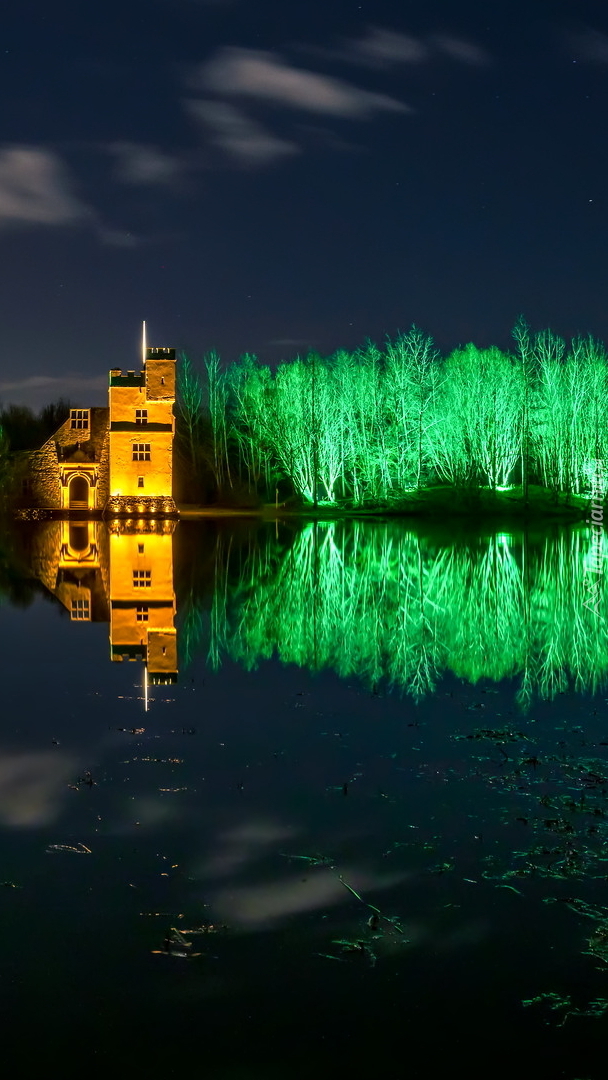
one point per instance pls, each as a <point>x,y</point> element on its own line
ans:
<point>26,430</point>
<point>23,429</point>
<point>369,427</point>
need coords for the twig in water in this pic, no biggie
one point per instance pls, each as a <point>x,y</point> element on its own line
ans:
<point>370,906</point>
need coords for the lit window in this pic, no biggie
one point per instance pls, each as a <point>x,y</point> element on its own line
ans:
<point>79,419</point>
<point>81,611</point>
<point>142,579</point>
<point>141,416</point>
<point>141,451</point>
<point>142,612</point>
<point>140,481</point>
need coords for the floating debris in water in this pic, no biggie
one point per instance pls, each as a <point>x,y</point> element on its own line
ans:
<point>312,860</point>
<point>80,849</point>
<point>386,918</point>
<point>442,868</point>
<point>176,944</point>
<point>358,947</point>
<point>161,914</point>
<point>495,735</point>
<point>557,1003</point>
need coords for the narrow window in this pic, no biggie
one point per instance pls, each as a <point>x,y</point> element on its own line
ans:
<point>142,612</point>
<point>140,481</point>
<point>140,549</point>
<point>141,451</point>
<point>162,380</point>
<point>79,419</point>
<point>141,417</point>
<point>142,579</point>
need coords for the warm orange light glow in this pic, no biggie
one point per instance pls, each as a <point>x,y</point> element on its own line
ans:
<point>129,563</point>
<point>141,455</point>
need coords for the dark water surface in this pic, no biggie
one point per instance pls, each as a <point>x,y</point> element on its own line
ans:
<point>416,717</point>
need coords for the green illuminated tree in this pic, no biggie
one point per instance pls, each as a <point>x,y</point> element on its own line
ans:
<point>364,429</point>
<point>477,441</point>
<point>570,430</point>
<point>218,414</point>
<point>411,383</point>
<point>381,601</point>
<point>525,355</point>
<point>190,399</point>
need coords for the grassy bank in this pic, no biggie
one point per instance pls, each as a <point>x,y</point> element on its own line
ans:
<point>440,501</point>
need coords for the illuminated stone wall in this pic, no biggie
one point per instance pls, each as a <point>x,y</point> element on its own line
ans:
<point>125,454</point>
<point>40,472</point>
<point>153,638</point>
<point>141,415</point>
<point>89,568</point>
<point>47,472</point>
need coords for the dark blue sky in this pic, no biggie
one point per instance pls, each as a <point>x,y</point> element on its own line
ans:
<point>266,177</point>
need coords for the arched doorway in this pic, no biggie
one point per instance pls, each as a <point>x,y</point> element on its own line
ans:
<point>79,493</point>
<point>78,539</point>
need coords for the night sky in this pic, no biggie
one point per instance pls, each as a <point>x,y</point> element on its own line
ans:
<point>268,177</point>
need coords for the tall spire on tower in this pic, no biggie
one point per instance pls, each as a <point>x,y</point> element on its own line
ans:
<point>143,342</point>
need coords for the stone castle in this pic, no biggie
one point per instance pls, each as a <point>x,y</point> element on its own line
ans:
<point>116,461</point>
<point>118,573</point>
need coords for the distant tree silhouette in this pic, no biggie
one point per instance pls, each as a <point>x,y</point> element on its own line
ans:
<point>26,430</point>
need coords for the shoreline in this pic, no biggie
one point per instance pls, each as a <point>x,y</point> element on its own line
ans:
<point>433,504</point>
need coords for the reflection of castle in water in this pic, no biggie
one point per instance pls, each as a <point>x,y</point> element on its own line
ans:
<point>375,600</point>
<point>121,573</point>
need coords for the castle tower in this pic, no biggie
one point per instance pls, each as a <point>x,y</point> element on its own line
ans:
<point>141,432</point>
<point>142,599</point>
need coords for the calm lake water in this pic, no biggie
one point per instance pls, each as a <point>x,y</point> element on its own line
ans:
<point>281,798</point>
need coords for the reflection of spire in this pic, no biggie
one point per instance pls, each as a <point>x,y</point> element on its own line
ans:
<point>121,572</point>
<point>142,598</point>
<point>143,342</point>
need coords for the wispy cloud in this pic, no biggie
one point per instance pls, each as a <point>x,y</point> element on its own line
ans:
<point>38,390</point>
<point>118,238</point>
<point>137,163</point>
<point>267,77</point>
<point>590,44</point>
<point>238,135</point>
<point>461,49</point>
<point>380,48</point>
<point>35,189</point>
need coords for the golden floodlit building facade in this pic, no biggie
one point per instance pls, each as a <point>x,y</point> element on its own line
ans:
<point>120,573</point>
<point>115,461</point>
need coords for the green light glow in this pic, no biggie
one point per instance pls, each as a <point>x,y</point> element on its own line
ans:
<point>369,427</point>
<point>378,601</point>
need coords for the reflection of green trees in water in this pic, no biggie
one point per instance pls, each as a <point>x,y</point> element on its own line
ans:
<point>380,602</point>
